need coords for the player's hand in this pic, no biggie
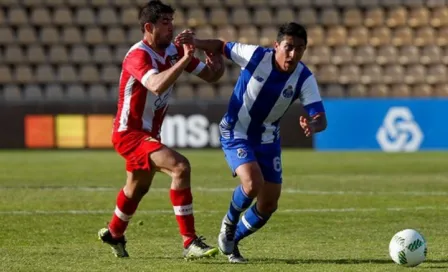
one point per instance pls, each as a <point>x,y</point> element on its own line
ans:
<point>188,51</point>
<point>305,126</point>
<point>185,37</point>
<point>214,61</point>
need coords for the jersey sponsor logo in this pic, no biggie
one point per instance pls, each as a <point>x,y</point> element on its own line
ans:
<point>288,92</point>
<point>399,132</point>
<point>241,153</point>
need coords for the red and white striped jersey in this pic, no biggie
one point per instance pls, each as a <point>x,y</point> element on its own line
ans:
<point>138,108</point>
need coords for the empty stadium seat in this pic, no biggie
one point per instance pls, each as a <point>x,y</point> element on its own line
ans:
<point>67,74</point>
<point>14,54</point>
<point>424,36</point>
<point>330,17</point>
<point>5,74</point>
<point>53,92</point>
<point>40,16</point>
<point>63,16</point>
<point>418,17</point>
<point>33,93</point>
<point>357,90</point>
<point>263,16</point>
<point>97,92</point>
<point>421,90</point>
<point>374,17</point>
<point>58,54</point>
<point>442,36</point>
<point>24,74</point>
<point>26,35</point>
<point>372,73</point>
<point>110,74</point>
<point>397,16</point>
<point>85,16</point>
<point>352,17</point>
<point>408,55</point>
<point>206,92</point>
<point>94,35</point>
<point>35,54</point>
<point>439,17</point>
<point>316,35</point>
<point>75,92</point>
<point>89,74</point>
<point>380,36</point>
<point>327,73</point>
<point>320,54</point>
<point>415,73</point>
<point>358,36</point>
<point>128,16</point>
<point>11,93</point>
<point>400,90</point>
<point>49,35</point>
<point>307,16</point>
<point>196,17</point>
<point>349,73</point>
<point>80,54</point>
<point>17,16</point>
<point>386,54</point>
<point>71,35</point>
<point>107,16</point>
<point>219,16</point>
<point>334,91</point>
<point>45,74</point>
<point>393,73</point>
<point>436,74</point>
<point>364,54</point>
<point>341,55</point>
<point>441,90</point>
<point>378,90</point>
<point>184,91</point>
<point>102,54</point>
<point>431,54</point>
<point>240,16</point>
<point>248,35</point>
<point>402,36</point>
<point>284,15</point>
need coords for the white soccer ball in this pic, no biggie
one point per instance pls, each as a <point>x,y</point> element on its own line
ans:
<point>408,248</point>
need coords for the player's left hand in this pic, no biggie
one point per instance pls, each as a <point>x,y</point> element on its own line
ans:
<point>305,126</point>
<point>214,61</point>
<point>185,37</point>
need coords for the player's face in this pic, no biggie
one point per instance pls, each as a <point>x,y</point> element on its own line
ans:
<point>164,31</point>
<point>289,52</point>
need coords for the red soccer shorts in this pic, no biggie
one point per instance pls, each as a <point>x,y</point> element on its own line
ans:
<point>135,147</point>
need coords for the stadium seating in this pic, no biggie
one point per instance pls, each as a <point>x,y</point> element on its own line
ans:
<point>56,49</point>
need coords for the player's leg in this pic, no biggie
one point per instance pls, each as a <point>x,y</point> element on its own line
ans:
<point>257,216</point>
<point>128,198</point>
<point>134,147</point>
<point>178,167</point>
<point>242,161</point>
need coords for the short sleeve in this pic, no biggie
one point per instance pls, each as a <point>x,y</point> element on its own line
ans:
<point>310,96</point>
<point>140,65</point>
<point>240,53</point>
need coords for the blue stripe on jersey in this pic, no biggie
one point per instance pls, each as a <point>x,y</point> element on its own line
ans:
<point>264,103</point>
<point>314,108</point>
<point>228,49</point>
<point>236,100</point>
<point>306,73</point>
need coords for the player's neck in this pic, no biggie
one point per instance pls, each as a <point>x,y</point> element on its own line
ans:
<point>150,42</point>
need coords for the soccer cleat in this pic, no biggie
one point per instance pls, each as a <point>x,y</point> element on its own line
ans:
<point>118,245</point>
<point>226,236</point>
<point>236,256</point>
<point>199,249</point>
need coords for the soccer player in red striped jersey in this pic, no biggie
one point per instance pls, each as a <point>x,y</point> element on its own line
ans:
<point>149,70</point>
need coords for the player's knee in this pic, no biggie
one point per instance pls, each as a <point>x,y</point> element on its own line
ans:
<point>252,186</point>
<point>182,169</point>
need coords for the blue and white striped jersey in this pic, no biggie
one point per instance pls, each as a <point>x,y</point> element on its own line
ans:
<point>263,94</point>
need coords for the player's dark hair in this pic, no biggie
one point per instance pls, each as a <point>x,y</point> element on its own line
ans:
<point>292,29</point>
<point>152,11</point>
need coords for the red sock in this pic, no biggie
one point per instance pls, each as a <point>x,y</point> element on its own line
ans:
<point>182,201</point>
<point>123,213</point>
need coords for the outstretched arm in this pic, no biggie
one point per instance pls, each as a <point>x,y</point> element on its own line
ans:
<point>214,46</point>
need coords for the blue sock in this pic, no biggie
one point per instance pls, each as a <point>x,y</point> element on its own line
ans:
<point>251,221</point>
<point>240,202</point>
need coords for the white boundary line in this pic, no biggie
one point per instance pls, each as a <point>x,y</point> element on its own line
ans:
<point>221,190</point>
<point>170,211</point>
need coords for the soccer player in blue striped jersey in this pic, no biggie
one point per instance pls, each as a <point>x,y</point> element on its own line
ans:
<point>271,79</point>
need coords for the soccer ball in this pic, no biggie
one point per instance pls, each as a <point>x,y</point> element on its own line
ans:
<point>408,248</point>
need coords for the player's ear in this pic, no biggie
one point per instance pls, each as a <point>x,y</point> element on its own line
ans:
<point>276,45</point>
<point>149,27</point>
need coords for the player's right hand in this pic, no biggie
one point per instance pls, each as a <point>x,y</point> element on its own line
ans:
<point>188,50</point>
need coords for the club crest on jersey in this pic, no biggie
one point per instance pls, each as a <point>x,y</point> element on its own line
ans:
<point>288,92</point>
<point>173,59</point>
<point>241,153</point>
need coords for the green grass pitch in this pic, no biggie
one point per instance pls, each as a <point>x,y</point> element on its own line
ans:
<point>338,212</point>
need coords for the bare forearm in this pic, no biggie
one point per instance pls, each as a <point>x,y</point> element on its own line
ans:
<point>213,45</point>
<point>159,83</point>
